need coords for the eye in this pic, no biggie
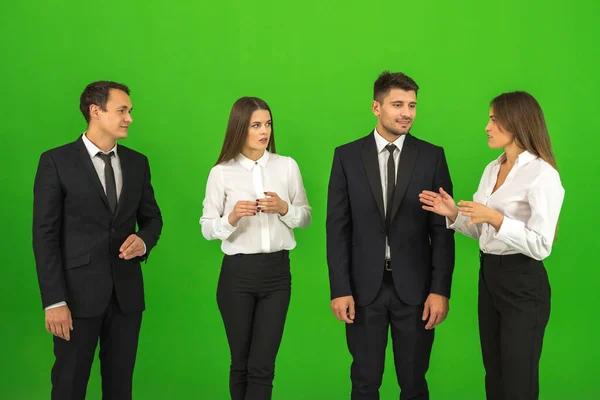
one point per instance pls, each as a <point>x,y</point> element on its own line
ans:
<point>269,123</point>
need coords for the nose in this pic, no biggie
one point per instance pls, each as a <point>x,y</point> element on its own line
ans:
<point>488,127</point>
<point>128,118</point>
<point>405,111</point>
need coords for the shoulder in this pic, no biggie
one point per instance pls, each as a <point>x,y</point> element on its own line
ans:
<point>354,146</point>
<point>424,145</point>
<point>129,152</point>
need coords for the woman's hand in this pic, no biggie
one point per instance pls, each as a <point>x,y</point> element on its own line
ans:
<point>440,203</point>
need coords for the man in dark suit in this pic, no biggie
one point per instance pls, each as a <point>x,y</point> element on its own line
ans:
<point>88,197</point>
<point>390,261</point>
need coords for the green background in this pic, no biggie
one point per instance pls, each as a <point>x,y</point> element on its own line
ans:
<point>314,62</point>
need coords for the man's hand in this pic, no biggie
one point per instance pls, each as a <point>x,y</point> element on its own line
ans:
<point>343,309</point>
<point>59,322</point>
<point>132,247</point>
<point>436,310</point>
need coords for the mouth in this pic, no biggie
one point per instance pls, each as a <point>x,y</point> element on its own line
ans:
<point>404,122</point>
<point>264,140</point>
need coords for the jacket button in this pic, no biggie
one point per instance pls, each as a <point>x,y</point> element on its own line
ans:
<point>112,230</point>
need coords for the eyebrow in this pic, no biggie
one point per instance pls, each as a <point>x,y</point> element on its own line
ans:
<point>402,101</point>
<point>258,122</point>
<point>124,106</point>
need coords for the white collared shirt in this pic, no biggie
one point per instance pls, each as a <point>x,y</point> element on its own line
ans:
<point>530,200</point>
<point>244,179</point>
<point>382,155</point>
<point>99,164</point>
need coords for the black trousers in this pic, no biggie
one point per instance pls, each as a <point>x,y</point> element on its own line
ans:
<point>514,308</point>
<point>118,334</point>
<point>253,297</point>
<point>367,340</point>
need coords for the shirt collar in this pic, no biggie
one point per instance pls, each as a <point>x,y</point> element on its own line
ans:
<point>522,159</point>
<point>93,149</point>
<point>381,142</point>
<point>249,164</point>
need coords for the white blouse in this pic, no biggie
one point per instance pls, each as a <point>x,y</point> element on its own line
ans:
<point>530,200</point>
<point>244,179</point>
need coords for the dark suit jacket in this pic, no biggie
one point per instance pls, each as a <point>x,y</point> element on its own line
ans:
<point>422,248</point>
<point>76,238</point>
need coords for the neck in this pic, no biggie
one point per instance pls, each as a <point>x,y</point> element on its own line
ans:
<point>384,133</point>
<point>253,155</point>
<point>100,141</point>
<point>512,152</point>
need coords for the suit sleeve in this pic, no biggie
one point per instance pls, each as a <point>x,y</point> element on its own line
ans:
<point>48,199</point>
<point>149,218</point>
<point>442,238</point>
<point>339,230</point>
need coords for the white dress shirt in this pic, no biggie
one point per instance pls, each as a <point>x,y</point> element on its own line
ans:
<point>530,200</point>
<point>99,167</point>
<point>382,155</point>
<point>244,179</point>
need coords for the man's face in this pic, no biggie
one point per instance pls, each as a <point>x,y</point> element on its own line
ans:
<point>114,122</point>
<point>397,111</point>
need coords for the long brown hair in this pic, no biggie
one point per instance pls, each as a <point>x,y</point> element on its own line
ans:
<point>520,114</point>
<point>237,127</point>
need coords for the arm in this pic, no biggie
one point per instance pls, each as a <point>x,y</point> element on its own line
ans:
<point>535,238</point>
<point>442,238</point>
<point>339,230</point>
<point>47,222</point>
<point>149,218</point>
<point>460,226</point>
<point>215,225</point>
<point>298,214</point>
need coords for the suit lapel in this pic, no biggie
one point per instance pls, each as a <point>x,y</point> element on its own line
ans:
<point>88,167</point>
<point>371,163</point>
<point>126,172</point>
<point>406,165</point>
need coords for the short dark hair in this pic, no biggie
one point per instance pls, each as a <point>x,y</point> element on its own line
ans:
<point>97,93</point>
<point>392,80</point>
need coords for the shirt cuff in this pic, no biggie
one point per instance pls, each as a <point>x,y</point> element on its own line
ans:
<point>226,225</point>
<point>510,228</point>
<point>458,221</point>
<point>144,248</point>
<point>62,303</point>
<point>289,217</point>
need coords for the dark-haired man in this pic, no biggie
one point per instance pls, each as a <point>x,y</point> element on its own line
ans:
<point>390,262</point>
<point>89,196</point>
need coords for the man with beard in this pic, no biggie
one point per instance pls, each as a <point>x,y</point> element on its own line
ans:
<point>390,262</point>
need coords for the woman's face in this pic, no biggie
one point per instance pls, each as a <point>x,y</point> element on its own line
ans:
<point>259,131</point>
<point>498,138</point>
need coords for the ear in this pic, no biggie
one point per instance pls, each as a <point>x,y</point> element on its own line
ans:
<point>375,107</point>
<point>94,112</point>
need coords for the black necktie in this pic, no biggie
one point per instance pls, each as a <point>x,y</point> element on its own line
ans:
<point>109,178</point>
<point>391,183</point>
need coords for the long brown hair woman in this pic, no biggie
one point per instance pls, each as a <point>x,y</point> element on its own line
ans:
<point>254,200</point>
<point>514,215</point>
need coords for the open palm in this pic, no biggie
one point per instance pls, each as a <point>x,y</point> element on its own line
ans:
<point>440,203</point>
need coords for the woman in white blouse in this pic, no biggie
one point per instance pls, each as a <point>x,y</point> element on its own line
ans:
<point>514,215</point>
<point>254,200</point>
